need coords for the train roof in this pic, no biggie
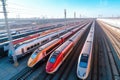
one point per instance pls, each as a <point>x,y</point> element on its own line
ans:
<point>48,44</point>
<point>63,46</point>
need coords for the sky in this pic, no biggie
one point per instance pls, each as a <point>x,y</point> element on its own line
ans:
<point>55,8</point>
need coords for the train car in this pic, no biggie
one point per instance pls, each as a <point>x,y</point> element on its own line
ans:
<point>84,61</point>
<point>60,54</point>
<point>4,34</point>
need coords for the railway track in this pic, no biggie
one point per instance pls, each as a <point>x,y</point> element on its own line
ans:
<point>113,64</point>
<point>114,40</point>
<point>103,66</point>
<point>107,68</point>
<point>114,36</point>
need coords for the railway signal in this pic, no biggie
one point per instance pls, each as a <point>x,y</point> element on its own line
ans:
<point>9,33</point>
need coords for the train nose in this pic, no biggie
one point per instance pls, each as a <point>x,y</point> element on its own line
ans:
<point>49,67</point>
<point>10,56</point>
<point>81,74</point>
<point>30,63</point>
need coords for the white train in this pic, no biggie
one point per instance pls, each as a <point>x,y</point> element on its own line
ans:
<point>84,61</point>
<point>27,47</point>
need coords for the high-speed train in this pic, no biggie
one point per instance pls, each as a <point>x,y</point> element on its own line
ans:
<point>84,61</point>
<point>46,49</point>
<point>59,55</point>
<point>5,34</point>
<point>24,48</point>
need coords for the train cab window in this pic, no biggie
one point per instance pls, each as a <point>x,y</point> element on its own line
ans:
<point>52,59</point>
<point>35,53</point>
<point>54,56</point>
<point>84,61</point>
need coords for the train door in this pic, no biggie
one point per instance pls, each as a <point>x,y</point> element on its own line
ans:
<point>23,51</point>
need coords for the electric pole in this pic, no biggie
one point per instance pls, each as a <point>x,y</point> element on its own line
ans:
<point>74,17</point>
<point>65,17</point>
<point>74,14</point>
<point>11,48</point>
<point>65,13</point>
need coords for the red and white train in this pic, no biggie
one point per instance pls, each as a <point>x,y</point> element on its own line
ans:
<point>60,54</point>
<point>84,61</point>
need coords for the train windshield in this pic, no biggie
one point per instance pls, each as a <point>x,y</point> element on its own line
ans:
<point>35,53</point>
<point>84,61</point>
<point>54,56</point>
<point>52,59</point>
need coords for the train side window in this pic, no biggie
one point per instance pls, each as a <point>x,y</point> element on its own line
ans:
<point>62,33</point>
<point>28,48</point>
<point>84,61</point>
<point>55,36</point>
<point>35,45</point>
<point>22,50</point>
<point>51,48</point>
<point>38,44</point>
<point>89,41</point>
<point>32,46</point>
<point>44,41</point>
